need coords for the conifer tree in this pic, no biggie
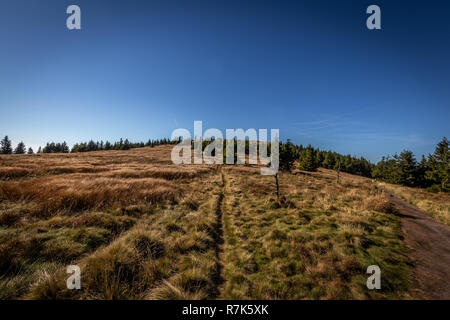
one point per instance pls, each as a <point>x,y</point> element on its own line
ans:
<point>64,147</point>
<point>5,146</point>
<point>438,172</point>
<point>329,160</point>
<point>287,154</point>
<point>20,149</point>
<point>307,160</point>
<point>407,169</point>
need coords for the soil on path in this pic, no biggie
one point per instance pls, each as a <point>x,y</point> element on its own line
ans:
<point>429,242</point>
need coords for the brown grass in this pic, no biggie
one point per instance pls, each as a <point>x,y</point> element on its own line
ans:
<point>78,192</point>
<point>435,204</point>
<point>142,228</point>
<point>379,202</point>
<point>57,209</point>
<point>314,242</point>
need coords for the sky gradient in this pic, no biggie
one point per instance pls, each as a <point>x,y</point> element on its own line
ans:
<point>140,69</point>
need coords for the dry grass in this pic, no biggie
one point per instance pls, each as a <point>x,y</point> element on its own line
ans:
<point>142,228</point>
<point>314,243</point>
<point>379,202</point>
<point>435,204</point>
<point>107,212</point>
<point>76,192</point>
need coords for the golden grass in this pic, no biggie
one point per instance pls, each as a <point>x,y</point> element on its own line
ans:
<point>142,228</point>
<point>77,192</point>
<point>315,242</point>
<point>379,202</point>
<point>57,209</point>
<point>435,204</point>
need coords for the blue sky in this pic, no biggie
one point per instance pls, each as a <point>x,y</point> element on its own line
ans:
<point>140,69</point>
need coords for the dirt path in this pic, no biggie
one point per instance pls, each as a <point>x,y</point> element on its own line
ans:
<point>430,244</point>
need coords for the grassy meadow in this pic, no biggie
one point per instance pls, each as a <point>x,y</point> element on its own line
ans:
<point>140,227</point>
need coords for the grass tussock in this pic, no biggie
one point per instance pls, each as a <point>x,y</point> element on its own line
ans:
<point>379,203</point>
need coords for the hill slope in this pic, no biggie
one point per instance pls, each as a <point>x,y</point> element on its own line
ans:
<point>140,227</point>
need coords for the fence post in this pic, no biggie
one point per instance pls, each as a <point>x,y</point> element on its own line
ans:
<point>339,172</point>
<point>276,184</point>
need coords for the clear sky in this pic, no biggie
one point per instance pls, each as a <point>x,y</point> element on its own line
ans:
<point>140,69</point>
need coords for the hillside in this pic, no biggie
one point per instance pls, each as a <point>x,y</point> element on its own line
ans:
<point>140,227</point>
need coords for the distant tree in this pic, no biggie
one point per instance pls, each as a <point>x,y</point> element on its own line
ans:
<point>47,148</point>
<point>287,156</point>
<point>30,151</point>
<point>5,146</point>
<point>92,146</point>
<point>433,174</point>
<point>319,157</point>
<point>39,150</point>
<point>307,160</point>
<point>75,148</point>
<point>20,149</point>
<point>438,171</point>
<point>64,147</point>
<point>125,145</point>
<point>119,145</point>
<point>407,169</point>
<point>386,169</point>
<point>346,163</point>
<point>53,147</point>
<point>421,170</point>
<point>329,160</point>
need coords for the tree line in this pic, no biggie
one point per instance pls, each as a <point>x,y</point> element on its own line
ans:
<point>119,145</point>
<point>310,158</point>
<point>52,147</point>
<point>432,172</point>
<point>6,147</point>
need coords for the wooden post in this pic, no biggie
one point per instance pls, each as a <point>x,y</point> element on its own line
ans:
<point>339,171</point>
<point>276,184</point>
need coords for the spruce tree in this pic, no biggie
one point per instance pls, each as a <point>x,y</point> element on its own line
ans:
<point>287,156</point>
<point>329,160</point>
<point>92,146</point>
<point>126,144</point>
<point>422,168</point>
<point>407,169</point>
<point>5,146</point>
<point>30,151</point>
<point>64,147</point>
<point>20,149</point>
<point>307,160</point>
<point>438,172</point>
